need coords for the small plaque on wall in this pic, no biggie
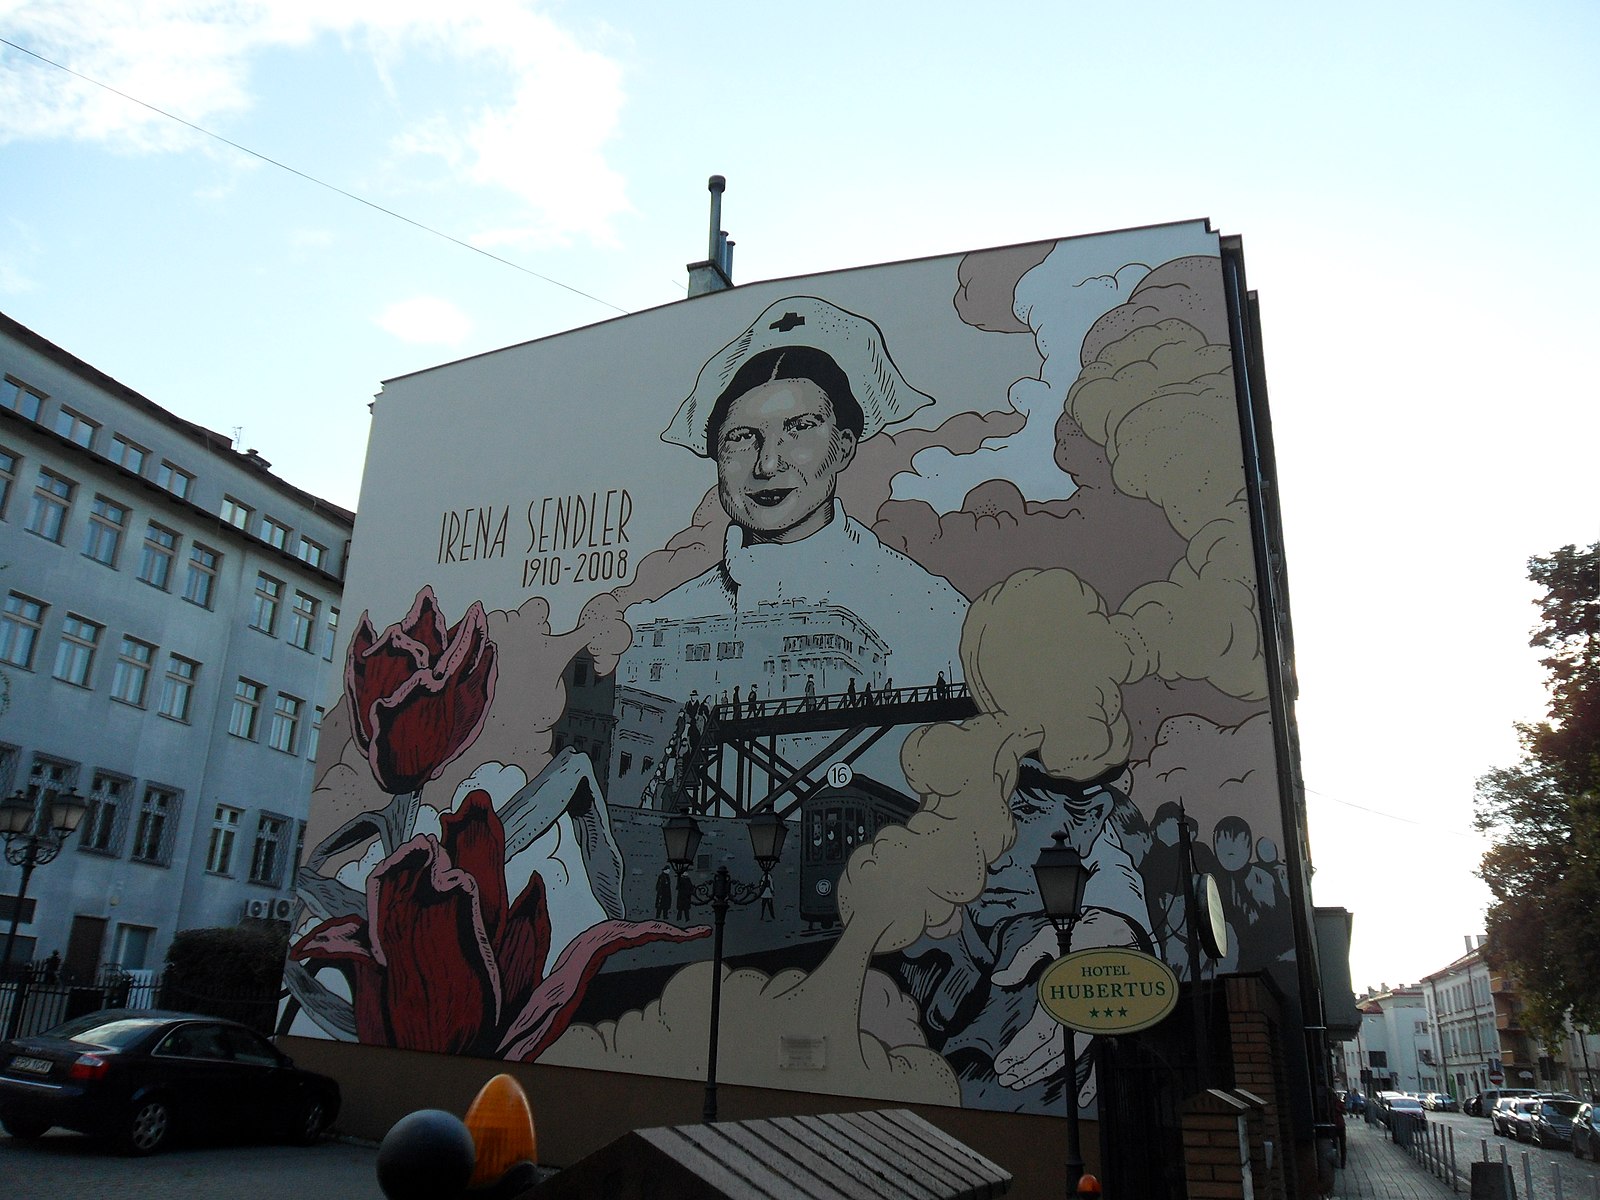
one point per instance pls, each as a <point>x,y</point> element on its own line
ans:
<point>800,1052</point>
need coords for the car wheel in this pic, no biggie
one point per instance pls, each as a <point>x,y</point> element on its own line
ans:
<point>148,1126</point>
<point>312,1122</point>
<point>26,1129</point>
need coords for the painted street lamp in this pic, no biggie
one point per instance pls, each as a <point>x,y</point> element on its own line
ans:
<point>1062,876</point>
<point>682,836</point>
<point>34,837</point>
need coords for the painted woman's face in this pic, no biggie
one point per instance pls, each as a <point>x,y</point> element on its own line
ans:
<point>778,455</point>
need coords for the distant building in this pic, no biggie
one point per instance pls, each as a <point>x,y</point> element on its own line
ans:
<point>1467,1045</point>
<point>1388,1052</point>
<point>170,612</point>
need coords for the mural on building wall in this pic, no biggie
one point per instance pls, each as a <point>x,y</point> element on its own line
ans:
<point>935,560</point>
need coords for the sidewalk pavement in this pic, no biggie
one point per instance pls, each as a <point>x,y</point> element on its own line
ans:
<point>1376,1169</point>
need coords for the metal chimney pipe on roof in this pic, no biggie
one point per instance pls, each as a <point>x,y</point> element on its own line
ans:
<point>716,185</point>
<point>727,257</point>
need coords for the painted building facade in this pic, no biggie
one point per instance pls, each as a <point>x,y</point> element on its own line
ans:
<point>170,613</point>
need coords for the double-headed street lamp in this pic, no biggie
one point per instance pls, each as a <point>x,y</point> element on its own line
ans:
<point>682,835</point>
<point>1062,876</point>
<point>34,836</point>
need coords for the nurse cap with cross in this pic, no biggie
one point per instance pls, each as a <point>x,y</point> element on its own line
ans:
<point>852,341</point>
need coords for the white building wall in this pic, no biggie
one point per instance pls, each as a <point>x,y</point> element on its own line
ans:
<point>143,902</point>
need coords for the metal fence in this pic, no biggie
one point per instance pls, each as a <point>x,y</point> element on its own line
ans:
<point>32,1002</point>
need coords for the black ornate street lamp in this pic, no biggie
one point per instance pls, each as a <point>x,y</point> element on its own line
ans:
<point>682,836</point>
<point>1062,876</point>
<point>33,838</point>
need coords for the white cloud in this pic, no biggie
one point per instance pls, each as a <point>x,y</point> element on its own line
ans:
<point>542,109</point>
<point>425,321</point>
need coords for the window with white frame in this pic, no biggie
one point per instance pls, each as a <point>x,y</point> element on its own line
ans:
<point>20,398</point>
<point>302,620</point>
<point>177,688</point>
<point>264,612</point>
<point>8,479</point>
<point>330,633</point>
<point>130,948</point>
<point>224,831</point>
<point>246,712</point>
<point>314,734</point>
<point>274,533</point>
<point>20,627</point>
<point>285,725</point>
<point>129,455</point>
<point>75,652</point>
<point>174,479</point>
<point>131,679</point>
<point>103,538</point>
<point>76,427</point>
<point>157,823</point>
<point>236,513</point>
<point>266,860</point>
<point>47,514</point>
<point>100,831</point>
<point>160,549</point>
<point>314,553</point>
<point>200,586</point>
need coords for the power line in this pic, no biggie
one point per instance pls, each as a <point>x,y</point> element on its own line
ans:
<point>388,212</point>
<point>1378,812</point>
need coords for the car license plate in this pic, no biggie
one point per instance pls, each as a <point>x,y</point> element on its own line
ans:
<point>31,1066</point>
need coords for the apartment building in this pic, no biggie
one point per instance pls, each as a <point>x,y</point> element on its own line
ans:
<point>170,611</point>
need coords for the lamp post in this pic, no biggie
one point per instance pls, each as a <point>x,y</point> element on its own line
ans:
<point>1062,877</point>
<point>34,836</point>
<point>682,836</point>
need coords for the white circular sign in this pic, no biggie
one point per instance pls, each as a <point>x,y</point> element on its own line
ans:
<point>840,774</point>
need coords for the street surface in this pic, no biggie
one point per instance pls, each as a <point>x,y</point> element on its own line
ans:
<point>1579,1180</point>
<point>66,1164</point>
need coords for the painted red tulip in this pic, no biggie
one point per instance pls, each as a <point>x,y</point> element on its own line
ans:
<point>419,692</point>
<point>443,962</point>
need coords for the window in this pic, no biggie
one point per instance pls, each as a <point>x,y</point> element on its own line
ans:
<point>48,512</point>
<point>224,828</point>
<point>264,615</point>
<point>302,620</point>
<point>132,947</point>
<point>314,734</point>
<point>76,428</point>
<point>160,548</point>
<point>102,823</point>
<point>8,477</point>
<point>126,454</point>
<point>312,552</point>
<point>655,672</point>
<point>624,763</point>
<point>20,398</point>
<point>274,534</point>
<point>132,676</point>
<point>75,654</point>
<point>202,581</point>
<point>580,673</point>
<point>177,689</point>
<point>330,633</point>
<point>246,709</point>
<point>1378,1058</point>
<point>104,537</point>
<point>236,514</point>
<point>266,861</point>
<point>285,723</point>
<point>19,630</point>
<point>158,819</point>
<point>174,479</point>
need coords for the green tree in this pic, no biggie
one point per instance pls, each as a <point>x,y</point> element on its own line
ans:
<point>1543,814</point>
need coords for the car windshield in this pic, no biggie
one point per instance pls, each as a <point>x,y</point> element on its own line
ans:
<point>96,1030</point>
<point>1561,1108</point>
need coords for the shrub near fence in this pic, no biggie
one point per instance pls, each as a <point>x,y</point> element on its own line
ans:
<point>46,1005</point>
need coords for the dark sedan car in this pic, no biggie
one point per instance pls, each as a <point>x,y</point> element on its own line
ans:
<point>1550,1123</point>
<point>139,1076</point>
<point>1586,1132</point>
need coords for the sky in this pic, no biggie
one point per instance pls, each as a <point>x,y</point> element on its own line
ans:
<point>1414,185</point>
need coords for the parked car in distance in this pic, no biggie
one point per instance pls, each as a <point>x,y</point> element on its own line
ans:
<point>1586,1132</point>
<point>1550,1123</point>
<point>1439,1102</point>
<point>1500,1116</point>
<point>1399,1104</point>
<point>1521,1119</point>
<point>1482,1105</point>
<point>141,1076</point>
